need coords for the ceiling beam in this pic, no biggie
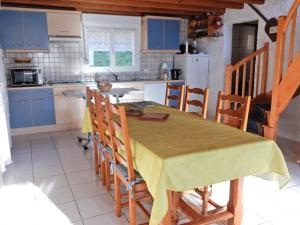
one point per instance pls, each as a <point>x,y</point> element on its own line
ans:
<point>113,7</point>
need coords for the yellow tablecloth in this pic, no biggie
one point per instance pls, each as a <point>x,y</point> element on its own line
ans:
<point>185,152</point>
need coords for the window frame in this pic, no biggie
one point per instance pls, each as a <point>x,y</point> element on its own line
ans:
<point>113,68</point>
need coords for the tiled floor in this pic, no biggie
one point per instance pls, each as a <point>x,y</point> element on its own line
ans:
<point>57,165</point>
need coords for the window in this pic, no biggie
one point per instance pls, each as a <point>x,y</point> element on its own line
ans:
<point>111,48</point>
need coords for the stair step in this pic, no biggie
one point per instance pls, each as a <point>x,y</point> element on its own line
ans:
<point>260,112</point>
<point>254,126</point>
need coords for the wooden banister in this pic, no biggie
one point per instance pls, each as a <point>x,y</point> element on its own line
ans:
<point>249,72</point>
<point>286,78</point>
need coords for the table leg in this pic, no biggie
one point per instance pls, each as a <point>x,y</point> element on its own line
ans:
<point>235,202</point>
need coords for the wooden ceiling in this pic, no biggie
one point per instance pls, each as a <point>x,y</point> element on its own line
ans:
<point>184,8</point>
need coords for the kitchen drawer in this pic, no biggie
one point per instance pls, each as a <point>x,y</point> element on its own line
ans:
<point>42,92</point>
<point>58,91</point>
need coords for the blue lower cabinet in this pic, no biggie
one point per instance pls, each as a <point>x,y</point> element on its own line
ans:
<point>20,109</point>
<point>29,108</point>
<point>175,92</point>
<point>42,105</point>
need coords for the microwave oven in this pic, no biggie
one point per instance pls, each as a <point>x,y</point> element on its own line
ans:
<point>26,76</point>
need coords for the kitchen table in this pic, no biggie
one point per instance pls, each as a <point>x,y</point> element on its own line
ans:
<point>186,152</point>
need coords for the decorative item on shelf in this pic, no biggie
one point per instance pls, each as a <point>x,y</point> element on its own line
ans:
<point>23,60</point>
<point>209,25</point>
<point>104,85</point>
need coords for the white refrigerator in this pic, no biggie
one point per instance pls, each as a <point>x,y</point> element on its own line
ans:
<point>5,138</point>
<point>194,69</point>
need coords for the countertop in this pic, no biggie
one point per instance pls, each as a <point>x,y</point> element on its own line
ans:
<point>92,84</point>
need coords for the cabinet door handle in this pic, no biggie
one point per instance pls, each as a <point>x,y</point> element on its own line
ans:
<point>38,99</point>
<point>22,100</point>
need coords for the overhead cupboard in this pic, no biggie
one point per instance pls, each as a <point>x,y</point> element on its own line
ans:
<point>160,33</point>
<point>23,30</point>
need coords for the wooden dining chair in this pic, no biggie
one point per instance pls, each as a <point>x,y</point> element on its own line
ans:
<point>124,170</point>
<point>174,98</point>
<point>95,116</point>
<point>202,105</point>
<point>105,136</point>
<point>233,110</point>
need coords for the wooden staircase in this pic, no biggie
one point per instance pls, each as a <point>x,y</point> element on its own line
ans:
<point>250,75</point>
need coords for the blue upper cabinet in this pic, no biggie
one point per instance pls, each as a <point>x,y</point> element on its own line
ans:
<point>35,30</point>
<point>155,34</point>
<point>172,31</point>
<point>11,29</point>
<point>163,34</point>
<point>23,30</point>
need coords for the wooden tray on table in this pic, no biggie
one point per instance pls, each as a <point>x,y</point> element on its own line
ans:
<point>154,117</point>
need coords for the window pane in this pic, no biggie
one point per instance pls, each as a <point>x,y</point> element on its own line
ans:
<point>100,59</point>
<point>124,58</point>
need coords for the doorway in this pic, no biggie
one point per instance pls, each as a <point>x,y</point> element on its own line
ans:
<point>244,42</point>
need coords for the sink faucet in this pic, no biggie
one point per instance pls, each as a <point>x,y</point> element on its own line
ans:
<point>116,76</point>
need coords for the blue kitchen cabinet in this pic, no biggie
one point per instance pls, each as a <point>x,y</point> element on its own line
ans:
<point>20,108</point>
<point>42,104</point>
<point>23,30</point>
<point>29,108</point>
<point>172,31</point>
<point>11,29</point>
<point>35,30</point>
<point>155,34</point>
<point>163,34</point>
<point>175,92</point>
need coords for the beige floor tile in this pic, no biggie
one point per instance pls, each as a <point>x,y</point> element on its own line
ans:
<point>95,206</point>
<point>78,222</point>
<point>70,210</point>
<point>106,219</point>
<point>89,189</point>
<point>51,182</point>
<point>17,177</point>
<point>48,171</point>
<point>59,195</point>
<point>70,167</point>
<point>82,177</point>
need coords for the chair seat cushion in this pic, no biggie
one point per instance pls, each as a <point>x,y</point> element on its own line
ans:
<point>123,170</point>
<point>108,150</point>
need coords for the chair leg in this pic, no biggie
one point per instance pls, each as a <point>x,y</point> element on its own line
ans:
<point>96,157</point>
<point>205,199</point>
<point>132,207</point>
<point>102,168</point>
<point>175,205</point>
<point>117,196</point>
<point>107,173</point>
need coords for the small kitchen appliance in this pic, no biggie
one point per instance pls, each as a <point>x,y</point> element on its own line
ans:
<point>164,71</point>
<point>175,73</point>
<point>26,76</point>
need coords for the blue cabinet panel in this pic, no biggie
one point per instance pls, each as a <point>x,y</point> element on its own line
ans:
<point>175,92</point>
<point>29,108</point>
<point>11,29</point>
<point>172,31</point>
<point>20,109</point>
<point>155,34</point>
<point>35,30</point>
<point>42,103</point>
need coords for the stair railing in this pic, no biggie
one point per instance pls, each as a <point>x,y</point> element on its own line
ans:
<point>286,25</point>
<point>248,77</point>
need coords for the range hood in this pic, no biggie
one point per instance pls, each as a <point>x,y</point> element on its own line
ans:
<point>65,39</point>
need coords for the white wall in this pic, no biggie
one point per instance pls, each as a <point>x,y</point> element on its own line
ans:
<point>219,51</point>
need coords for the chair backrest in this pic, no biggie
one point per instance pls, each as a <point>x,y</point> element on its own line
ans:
<point>120,139</point>
<point>201,104</point>
<point>234,109</point>
<point>90,98</point>
<point>103,119</point>
<point>178,98</point>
